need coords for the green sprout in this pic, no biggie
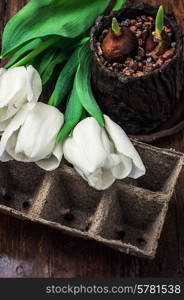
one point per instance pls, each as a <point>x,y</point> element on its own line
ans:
<point>115,27</point>
<point>159,22</point>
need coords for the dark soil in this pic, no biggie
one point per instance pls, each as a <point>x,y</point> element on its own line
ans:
<point>142,63</point>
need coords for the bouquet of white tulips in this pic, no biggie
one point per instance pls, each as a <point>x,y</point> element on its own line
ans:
<point>32,131</point>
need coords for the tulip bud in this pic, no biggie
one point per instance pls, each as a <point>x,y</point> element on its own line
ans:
<point>18,86</point>
<point>102,155</point>
<point>31,136</point>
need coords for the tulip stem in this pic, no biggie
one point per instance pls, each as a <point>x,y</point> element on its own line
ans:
<point>39,49</point>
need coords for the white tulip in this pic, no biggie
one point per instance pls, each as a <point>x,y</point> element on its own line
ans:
<point>102,155</point>
<point>17,86</point>
<point>31,136</point>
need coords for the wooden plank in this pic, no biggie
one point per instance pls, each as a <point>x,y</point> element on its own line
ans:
<point>12,6</point>
<point>2,15</point>
<point>31,250</point>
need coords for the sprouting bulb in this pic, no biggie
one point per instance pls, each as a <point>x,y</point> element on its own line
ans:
<point>119,43</point>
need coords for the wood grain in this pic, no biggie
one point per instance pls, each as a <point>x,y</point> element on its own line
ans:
<point>30,250</point>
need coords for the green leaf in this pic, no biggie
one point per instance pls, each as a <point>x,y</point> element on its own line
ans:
<point>66,77</point>
<point>49,70</point>
<point>73,114</point>
<point>81,96</point>
<point>83,84</point>
<point>23,51</point>
<point>68,43</point>
<point>66,18</point>
<point>44,59</point>
<point>119,4</point>
<point>39,49</point>
<point>71,43</point>
<point>159,22</point>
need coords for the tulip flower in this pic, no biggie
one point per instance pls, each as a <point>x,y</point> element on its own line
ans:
<point>102,155</point>
<point>31,136</point>
<point>17,87</point>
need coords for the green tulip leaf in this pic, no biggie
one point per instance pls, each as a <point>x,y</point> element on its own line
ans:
<point>73,114</point>
<point>48,69</point>
<point>118,5</point>
<point>66,77</point>
<point>81,96</point>
<point>44,59</point>
<point>42,47</point>
<point>23,51</point>
<point>83,84</point>
<point>66,18</point>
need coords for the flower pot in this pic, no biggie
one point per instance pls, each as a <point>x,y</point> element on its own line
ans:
<point>141,104</point>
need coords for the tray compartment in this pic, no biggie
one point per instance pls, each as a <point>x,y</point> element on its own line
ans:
<point>133,218</point>
<point>160,170</point>
<point>70,201</point>
<point>19,183</point>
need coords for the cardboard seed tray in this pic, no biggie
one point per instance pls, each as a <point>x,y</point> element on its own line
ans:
<point>128,216</point>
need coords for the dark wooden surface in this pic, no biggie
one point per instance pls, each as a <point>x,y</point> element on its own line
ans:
<point>29,250</point>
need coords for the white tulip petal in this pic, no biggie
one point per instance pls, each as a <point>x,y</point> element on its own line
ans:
<point>101,179</point>
<point>34,84</point>
<point>84,148</point>
<point>53,161</point>
<point>13,126</point>
<point>108,145</point>
<point>2,71</point>
<point>111,161</point>
<point>124,168</point>
<point>124,146</point>
<point>13,94</point>
<point>5,157</point>
<point>18,86</point>
<point>13,107</point>
<point>137,172</point>
<point>31,136</point>
<point>101,155</point>
<point>4,125</point>
<point>12,84</point>
<point>40,128</point>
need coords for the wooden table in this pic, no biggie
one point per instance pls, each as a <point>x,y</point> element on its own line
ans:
<point>29,250</point>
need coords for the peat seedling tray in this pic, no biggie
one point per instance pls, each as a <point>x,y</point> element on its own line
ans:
<point>129,216</point>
